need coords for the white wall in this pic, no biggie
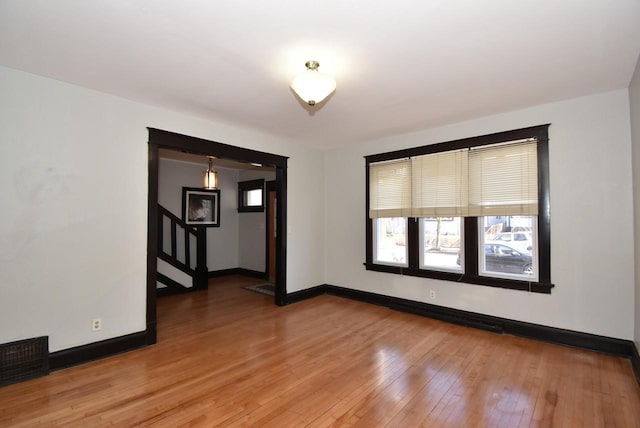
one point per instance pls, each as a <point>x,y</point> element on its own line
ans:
<point>73,183</point>
<point>252,228</point>
<point>222,242</point>
<point>592,263</point>
<point>634,101</point>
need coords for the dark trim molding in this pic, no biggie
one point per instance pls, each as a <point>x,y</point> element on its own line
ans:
<point>558,336</point>
<point>253,273</point>
<point>281,238</point>
<point>512,284</point>
<point>539,132</point>
<point>171,283</point>
<point>298,296</point>
<point>201,146</point>
<point>245,186</point>
<point>270,186</point>
<point>152,244</point>
<point>223,272</point>
<point>237,271</point>
<point>170,260</point>
<point>164,292</point>
<point>635,361</point>
<point>471,272</point>
<point>151,333</point>
<point>362,296</point>
<point>607,345</point>
<point>94,351</point>
<point>173,141</point>
<point>172,287</point>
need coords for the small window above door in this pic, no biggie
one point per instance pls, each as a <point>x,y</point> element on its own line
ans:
<point>251,196</point>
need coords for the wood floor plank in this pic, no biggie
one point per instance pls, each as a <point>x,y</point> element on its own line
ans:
<point>230,357</point>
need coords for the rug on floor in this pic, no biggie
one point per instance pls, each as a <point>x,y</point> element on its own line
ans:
<point>266,288</point>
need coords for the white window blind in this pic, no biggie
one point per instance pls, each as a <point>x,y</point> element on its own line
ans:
<point>503,179</point>
<point>390,189</point>
<point>440,184</point>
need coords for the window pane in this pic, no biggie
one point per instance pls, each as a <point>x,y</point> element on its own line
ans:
<point>508,247</point>
<point>390,236</point>
<point>253,197</point>
<point>441,243</point>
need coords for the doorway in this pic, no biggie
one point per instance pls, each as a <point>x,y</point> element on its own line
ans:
<point>170,140</point>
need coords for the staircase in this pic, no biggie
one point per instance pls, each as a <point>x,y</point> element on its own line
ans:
<point>182,255</point>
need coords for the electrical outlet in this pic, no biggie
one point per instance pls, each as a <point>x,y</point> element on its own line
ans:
<point>432,294</point>
<point>96,324</point>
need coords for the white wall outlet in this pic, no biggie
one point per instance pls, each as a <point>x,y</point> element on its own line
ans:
<point>96,324</point>
<point>432,294</point>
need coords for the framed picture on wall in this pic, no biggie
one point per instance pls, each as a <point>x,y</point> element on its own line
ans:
<point>201,207</point>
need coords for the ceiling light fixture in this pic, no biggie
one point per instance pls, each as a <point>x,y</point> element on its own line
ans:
<point>312,86</point>
<point>210,176</point>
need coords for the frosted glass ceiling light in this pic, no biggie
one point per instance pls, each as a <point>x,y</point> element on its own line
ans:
<point>210,176</point>
<point>312,86</point>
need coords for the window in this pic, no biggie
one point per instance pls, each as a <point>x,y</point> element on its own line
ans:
<point>508,254</point>
<point>474,210</point>
<point>391,241</point>
<point>251,196</point>
<point>441,243</point>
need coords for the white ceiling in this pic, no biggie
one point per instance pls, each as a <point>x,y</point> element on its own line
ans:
<point>400,66</point>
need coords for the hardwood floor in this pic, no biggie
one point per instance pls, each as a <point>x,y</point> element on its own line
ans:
<point>230,357</point>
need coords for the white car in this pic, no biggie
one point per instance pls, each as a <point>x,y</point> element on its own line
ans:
<point>521,241</point>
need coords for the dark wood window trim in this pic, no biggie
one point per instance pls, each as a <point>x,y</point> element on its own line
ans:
<point>243,188</point>
<point>471,276</point>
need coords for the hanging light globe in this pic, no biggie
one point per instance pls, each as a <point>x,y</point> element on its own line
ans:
<point>312,86</point>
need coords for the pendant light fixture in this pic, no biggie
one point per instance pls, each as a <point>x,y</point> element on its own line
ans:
<point>210,176</point>
<point>312,86</point>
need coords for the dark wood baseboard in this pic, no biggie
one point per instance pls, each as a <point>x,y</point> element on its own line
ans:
<point>607,345</point>
<point>467,319</point>
<point>253,273</point>
<point>164,292</point>
<point>237,271</point>
<point>94,351</point>
<point>223,272</point>
<point>635,361</point>
<point>151,334</point>
<point>298,296</point>
<point>619,347</point>
<point>576,339</point>
<point>362,296</point>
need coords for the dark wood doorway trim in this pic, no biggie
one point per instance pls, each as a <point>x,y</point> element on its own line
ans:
<point>170,140</point>
<point>270,187</point>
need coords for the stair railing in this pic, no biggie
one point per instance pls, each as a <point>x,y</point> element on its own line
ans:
<point>192,261</point>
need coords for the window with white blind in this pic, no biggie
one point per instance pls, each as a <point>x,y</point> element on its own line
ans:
<point>390,189</point>
<point>503,179</point>
<point>440,184</point>
<point>474,210</point>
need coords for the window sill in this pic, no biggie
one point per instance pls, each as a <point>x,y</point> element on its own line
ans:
<point>257,209</point>
<point>512,284</point>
